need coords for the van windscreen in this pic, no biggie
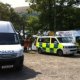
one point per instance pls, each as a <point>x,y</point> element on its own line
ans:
<point>78,39</point>
<point>8,39</point>
<point>65,39</point>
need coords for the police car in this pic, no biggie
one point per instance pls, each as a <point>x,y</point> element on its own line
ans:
<point>56,44</point>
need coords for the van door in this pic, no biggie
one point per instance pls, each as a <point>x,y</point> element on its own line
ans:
<point>54,45</point>
<point>47,42</point>
<point>44,44</point>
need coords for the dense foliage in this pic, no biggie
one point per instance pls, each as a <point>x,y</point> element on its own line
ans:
<point>7,13</point>
<point>44,15</point>
<point>57,14</point>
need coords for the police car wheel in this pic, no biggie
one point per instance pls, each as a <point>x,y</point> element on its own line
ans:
<point>39,51</point>
<point>60,52</point>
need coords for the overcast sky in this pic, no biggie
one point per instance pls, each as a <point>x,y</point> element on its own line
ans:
<point>15,3</point>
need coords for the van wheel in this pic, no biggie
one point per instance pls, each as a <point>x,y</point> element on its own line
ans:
<point>60,52</point>
<point>39,51</point>
<point>19,68</point>
<point>19,65</point>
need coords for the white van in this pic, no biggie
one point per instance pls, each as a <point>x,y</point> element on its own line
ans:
<point>74,34</point>
<point>11,52</point>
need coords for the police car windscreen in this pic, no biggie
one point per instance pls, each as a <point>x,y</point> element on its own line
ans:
<point>65,39</point>
<point>8,38</point>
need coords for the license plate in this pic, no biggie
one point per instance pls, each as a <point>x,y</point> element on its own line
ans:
<point>7,66</point>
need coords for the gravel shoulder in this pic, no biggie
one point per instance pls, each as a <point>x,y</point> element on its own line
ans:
<point>51,67</point>
<point>46,67</point>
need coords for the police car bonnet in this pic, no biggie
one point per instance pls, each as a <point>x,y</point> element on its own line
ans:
<point>6,27</point>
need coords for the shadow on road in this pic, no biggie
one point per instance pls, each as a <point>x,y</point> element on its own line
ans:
<point>25,74</point>
<point>66,56</point>
<point>75,56</point>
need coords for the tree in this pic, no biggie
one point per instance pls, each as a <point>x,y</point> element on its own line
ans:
<point>4,11</point>
<point>61,12</point>
<point>7,13</point>
<point>33,24</point>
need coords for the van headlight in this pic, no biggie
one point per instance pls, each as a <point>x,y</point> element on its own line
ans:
<point>19,53</point>
<point>66,46</point>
